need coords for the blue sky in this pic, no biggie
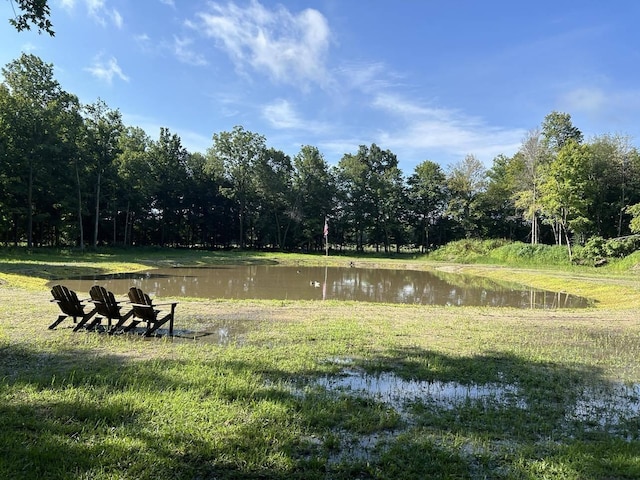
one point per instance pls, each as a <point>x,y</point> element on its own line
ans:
<point>427,79</point>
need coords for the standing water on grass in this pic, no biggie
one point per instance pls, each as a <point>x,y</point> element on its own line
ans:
<point>329,283</point>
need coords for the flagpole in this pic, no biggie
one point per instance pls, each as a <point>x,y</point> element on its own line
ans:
<point>326,237</point>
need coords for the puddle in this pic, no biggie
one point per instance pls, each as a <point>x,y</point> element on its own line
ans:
<point>223,332</point>
<point>397,392</point>
<point>606,405</point>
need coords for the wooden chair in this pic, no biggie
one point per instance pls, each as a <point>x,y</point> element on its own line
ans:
<point>72,307</point>
<point>146,311</point>
<point>108,307</point>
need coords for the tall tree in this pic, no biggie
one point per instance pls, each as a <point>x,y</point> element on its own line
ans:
<point>168,165</point>
<point>466,181</point>
<point>239,151</point>
<point>500,212</point>
<point>35,100</point>
<point>558,129</point>
<point>314,194</point>
<point>427,196</point>
<point>103,129</point>
<point>134,176</point>
<point>533,155</point>
<point>563,191</point>
<point>274,181</point>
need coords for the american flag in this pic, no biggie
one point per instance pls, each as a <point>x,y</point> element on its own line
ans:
<point>326,228</point>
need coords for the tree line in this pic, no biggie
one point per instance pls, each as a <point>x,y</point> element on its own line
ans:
<point>74,174</point>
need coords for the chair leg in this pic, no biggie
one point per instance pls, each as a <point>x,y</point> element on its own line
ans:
<point>84,320</point>
<point>57,322</point>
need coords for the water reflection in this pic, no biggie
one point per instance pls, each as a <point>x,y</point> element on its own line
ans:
<point>393,390</point>
<point>330,283</point>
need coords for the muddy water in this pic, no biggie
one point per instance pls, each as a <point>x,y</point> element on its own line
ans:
<point>328,283</point>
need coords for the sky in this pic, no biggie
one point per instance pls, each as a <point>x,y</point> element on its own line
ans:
<point>426,79</point>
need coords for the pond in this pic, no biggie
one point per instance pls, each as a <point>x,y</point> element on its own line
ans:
<point>329,283</point>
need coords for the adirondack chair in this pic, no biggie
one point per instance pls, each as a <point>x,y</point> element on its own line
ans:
<point>109,308</point>
<point>72,307</point>
<point>146,311</point>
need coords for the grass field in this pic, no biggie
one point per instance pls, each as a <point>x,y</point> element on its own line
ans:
<point>300,389</point>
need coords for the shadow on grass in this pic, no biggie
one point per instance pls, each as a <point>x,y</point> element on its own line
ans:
<point>74,414</point>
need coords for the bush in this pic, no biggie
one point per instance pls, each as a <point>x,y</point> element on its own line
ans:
<point>597,248</point>
<point>466,251</point>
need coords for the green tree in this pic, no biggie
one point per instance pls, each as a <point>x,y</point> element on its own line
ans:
<point>135,181</point>
<point>532,156</point>
<point>274,187</point>
<point>314,189</point>
<point>239,151</point>
<point>615,179</point>
<point>427,194</point>
<point>103,129</point>
<point>33,107</point>
<point>558,130</point>
<point>563,192</point>
<point>500,213</point>
<point>466,181</point>
<point>168,168</point>
<point>34,12</point>
<point>370,189</point>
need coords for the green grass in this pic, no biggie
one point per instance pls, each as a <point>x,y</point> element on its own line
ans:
<point>90,406</point>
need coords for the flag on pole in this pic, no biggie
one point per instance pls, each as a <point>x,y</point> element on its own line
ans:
<point>326,228</point>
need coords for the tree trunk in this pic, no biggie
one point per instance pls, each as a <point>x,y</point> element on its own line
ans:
<point>80,208</point>
<point>30,207</point>
<point>95,227</point>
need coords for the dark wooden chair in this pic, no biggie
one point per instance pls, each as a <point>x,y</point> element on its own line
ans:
<point>108,307</point>
<point>71,306</point>
<point>146,311</point>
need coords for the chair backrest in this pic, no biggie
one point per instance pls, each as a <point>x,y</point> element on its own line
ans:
<point>104,301</point>
<point>67,300</point>
<point>139,299</point>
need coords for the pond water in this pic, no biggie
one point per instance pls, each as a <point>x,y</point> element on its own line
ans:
<point>328,283</point>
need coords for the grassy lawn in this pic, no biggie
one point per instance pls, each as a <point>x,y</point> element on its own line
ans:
<point>304,389</point>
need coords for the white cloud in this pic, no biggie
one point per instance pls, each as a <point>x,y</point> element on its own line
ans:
<point>169,3</point>
<point>448,131</point>
<point>369,77</point>
<point>182,50</point>
<point>67,4</point>
<point>598,102</point>
<point>281,114</point>
<point>117,18</point>
<point>290,48</point>
<point>106,70</point>
<point>96,9</point>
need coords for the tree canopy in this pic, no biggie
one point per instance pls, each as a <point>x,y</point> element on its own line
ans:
<point>32,13</point>
<point>72,174</point>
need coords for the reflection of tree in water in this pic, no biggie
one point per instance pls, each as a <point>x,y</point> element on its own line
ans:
<point>440,288</point>
<point>331,283</point>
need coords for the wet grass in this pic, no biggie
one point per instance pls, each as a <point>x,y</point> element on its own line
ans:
<point>261,404</point>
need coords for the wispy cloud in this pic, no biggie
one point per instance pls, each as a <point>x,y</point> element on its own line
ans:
<point>600,104</point>
<point>289,47</point>
<point>105,70</point>
<point>281,114</point>
<point>449,132</point>
<point>368,77</point>
<point>183,51</point>
<point>98,10</point>
<point>170,3</point>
